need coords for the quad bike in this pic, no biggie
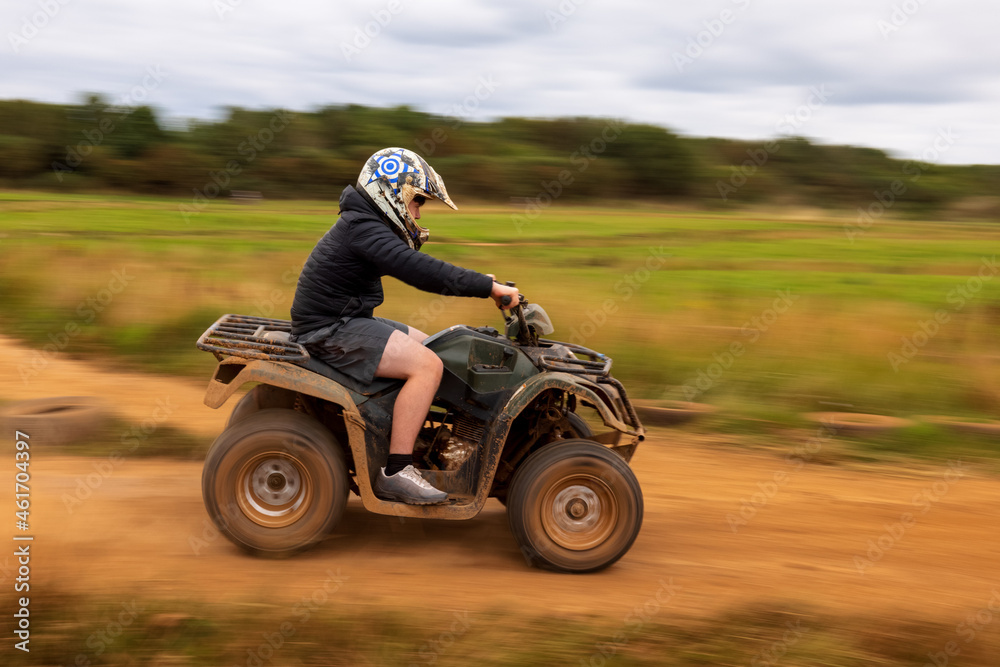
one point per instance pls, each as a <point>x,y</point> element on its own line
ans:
<point>503,424</point>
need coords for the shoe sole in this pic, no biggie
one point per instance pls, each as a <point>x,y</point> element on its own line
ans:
<point>410,501</point>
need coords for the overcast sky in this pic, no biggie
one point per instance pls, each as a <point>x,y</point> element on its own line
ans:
<point>893,74</point>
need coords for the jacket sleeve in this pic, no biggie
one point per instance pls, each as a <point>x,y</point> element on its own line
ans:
<point>376,243</point>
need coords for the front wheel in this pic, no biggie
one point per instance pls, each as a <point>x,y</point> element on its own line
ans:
<point>572,426</point>
<point>574,506</point>
<point>275,482</point>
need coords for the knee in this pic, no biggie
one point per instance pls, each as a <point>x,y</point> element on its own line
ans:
<point>436,367</point>
<point>431,365</point>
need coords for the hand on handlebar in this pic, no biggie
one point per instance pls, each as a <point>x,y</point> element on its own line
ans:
<point>501,291</point>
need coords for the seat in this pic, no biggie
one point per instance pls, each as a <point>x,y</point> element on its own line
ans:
<point>326,370</point>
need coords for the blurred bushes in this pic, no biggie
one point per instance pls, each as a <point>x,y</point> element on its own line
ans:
<point>97,146</point>
<point>21,155</point>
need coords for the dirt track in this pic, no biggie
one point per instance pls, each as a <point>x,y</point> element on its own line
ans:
<point>139,526</point>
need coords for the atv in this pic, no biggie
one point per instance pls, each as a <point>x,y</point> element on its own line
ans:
<point>504,424</point>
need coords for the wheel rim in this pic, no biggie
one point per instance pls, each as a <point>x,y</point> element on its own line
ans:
<point>274,489</point>
<point>579,512</point>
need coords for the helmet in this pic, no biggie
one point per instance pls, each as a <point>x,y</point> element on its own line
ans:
<point>390,179</point>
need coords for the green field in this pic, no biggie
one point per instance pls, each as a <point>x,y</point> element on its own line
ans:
<point>766,314</point>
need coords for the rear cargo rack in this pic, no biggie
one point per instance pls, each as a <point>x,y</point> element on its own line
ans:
<point>248,337</point>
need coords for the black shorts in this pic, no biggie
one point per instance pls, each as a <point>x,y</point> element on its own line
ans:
<point>356,345</point>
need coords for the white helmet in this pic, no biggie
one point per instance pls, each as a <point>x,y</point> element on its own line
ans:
<point>391,178</point>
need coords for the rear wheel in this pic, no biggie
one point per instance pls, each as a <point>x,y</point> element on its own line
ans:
<point>275,482</point>
<point>574,506</point>
<point>259,398</point>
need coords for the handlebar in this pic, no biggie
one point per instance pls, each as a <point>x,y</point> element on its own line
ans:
<point>525,335</point>
<point>505,299</point>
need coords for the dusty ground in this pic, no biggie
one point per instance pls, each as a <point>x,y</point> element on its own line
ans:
<point>135,396</point>
<point>138,527</point>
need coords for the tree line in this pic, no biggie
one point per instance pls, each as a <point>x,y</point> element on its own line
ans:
<point>97,146</point>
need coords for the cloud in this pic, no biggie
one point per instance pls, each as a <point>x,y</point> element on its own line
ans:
<point>754,65</point>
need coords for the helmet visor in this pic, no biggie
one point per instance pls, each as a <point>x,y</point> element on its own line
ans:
<point>434,187</point>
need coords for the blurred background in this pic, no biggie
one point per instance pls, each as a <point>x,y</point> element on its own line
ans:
<point>763,208</point>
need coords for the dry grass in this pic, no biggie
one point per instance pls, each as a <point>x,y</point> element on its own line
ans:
<point>854,303</point>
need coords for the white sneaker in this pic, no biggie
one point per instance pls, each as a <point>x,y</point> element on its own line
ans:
<point>407,486</point>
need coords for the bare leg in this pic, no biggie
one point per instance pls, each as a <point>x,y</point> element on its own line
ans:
<point>404,358</point>
<point>417,334</point>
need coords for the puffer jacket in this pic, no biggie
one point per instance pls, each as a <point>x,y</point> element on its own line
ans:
<point>343,275</point>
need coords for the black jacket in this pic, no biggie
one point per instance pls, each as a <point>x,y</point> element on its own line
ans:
<point>343,275</point>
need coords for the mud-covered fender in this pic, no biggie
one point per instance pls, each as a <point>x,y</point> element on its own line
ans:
<point>234,372</point>
<point>572,384</point>
<point>526,394</point>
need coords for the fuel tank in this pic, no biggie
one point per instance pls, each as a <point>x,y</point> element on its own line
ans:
<point>481,358</point>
